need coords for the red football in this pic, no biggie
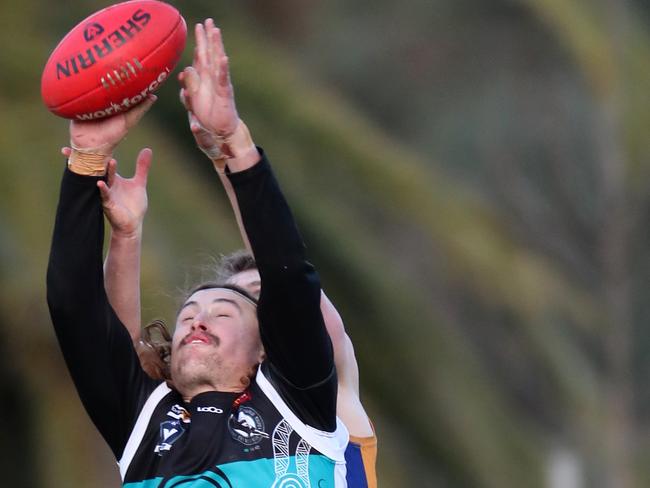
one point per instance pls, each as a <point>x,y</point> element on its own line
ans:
<point>113,59</point>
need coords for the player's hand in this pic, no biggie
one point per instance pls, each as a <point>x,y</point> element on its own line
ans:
<point>206,141</point>
<point>104,135</point>
<point>206,89</point>
<point>125,199</point>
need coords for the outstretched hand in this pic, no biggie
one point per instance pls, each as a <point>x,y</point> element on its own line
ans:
<point>206,90</point>
<point>206,141</point>
<point>105,134</point>
<point>125,199</point>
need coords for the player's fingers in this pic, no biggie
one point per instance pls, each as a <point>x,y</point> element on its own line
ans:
<point>194,123</point>
<point>192,83</point>
<point>195,57</point>
<point>191,80</point>
<point>209,45</point>
<point>200,50</point>
<point>111,169</point>
<point>224,72</point>
<point>142,165</point>
<point>217,43</point>
<point>104,191</point>
<point>209,27</point>
<point>136,113</point>
<point>183,98</point>
<point>66,151</point>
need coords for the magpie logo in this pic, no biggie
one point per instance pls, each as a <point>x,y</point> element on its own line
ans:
<point>92,30</point>
<point>247,426</point>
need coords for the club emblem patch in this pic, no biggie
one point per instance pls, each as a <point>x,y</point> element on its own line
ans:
<point>247,426</point>
<point>170,431</point>
<point>179,413</point>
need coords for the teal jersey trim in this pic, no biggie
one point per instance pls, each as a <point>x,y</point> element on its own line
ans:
<point>296,472</point>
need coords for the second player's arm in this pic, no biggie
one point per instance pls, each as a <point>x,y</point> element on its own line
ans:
<point>122,280</point>
<point>349,407</point>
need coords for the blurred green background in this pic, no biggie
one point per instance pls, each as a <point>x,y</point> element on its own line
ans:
<point>471,177</point>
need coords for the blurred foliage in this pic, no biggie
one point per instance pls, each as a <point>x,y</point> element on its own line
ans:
<point>470,179</point>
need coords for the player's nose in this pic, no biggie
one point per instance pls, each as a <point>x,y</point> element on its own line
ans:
<point>199,323</point>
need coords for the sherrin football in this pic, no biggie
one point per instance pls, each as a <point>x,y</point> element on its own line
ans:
<point>113,59</point>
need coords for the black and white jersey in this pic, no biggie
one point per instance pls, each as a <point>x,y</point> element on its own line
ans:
<point>230,439</point>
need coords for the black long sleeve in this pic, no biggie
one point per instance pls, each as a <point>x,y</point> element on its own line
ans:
<point>298,347</point>
<point>96,346</point>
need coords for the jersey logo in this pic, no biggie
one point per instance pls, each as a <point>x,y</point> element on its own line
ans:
<point>170,431</point>
<point>209,409</point>
<point>179,413</point>
<point>247,426</point>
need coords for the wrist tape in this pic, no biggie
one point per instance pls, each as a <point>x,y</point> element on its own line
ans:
<point>224,147</point>
<point>89,161</point>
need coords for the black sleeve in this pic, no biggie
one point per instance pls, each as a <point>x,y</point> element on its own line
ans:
<point>299,353</point>
<point>96,346</point>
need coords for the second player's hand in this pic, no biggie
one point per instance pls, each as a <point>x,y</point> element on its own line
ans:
<point>125,199</point>
<point>206,89</point>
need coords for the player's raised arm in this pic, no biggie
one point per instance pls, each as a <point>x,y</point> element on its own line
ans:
<point>349,407</point>
<point>296,342</point>
<point>95,345</point>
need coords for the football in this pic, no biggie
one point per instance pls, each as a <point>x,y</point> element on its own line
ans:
<point>113,59</point>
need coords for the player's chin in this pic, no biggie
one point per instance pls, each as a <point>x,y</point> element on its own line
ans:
<point>193,358</point>
<point>193,371</point>
<point>190,353</point>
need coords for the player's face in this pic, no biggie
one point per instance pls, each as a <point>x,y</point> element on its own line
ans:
<point>249,280</point>
<point>216,338</point>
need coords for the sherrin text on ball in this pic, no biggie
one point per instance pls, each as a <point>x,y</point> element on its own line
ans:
<point>113,59</point>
